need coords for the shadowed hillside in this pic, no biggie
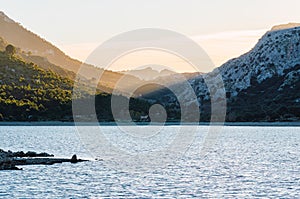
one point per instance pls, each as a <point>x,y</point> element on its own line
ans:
<point>31,93</point>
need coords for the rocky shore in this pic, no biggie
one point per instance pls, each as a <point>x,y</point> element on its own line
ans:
<point>10,160</point>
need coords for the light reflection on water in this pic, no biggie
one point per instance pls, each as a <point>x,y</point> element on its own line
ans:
<point>245,162</point>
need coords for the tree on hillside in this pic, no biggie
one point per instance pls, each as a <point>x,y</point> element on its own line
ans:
<point>10,49</point>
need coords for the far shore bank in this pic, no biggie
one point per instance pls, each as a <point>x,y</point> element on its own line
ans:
<point>58,123</point>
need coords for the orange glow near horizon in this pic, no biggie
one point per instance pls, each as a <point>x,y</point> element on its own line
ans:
<point>140,59</point>
<point>220,47</point>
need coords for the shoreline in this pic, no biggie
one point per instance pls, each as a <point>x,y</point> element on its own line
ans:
<point>58,123</point>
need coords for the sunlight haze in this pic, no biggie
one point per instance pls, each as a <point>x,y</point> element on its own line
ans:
<point>224,29</point>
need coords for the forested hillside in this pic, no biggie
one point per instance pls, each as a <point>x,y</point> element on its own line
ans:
<point>31,93</point>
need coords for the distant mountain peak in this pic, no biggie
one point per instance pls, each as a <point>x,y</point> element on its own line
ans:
<point>285,26</point>
<point>149,73</point>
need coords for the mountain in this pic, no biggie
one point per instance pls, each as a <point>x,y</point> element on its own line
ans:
<point>275,52</point>
<point>261,85</point>
<point>41,61</point>
<point>37,81</point>
<point>285,26</point>
<point>35,49</point>
<point>267,83</point>
<point>31,93</point>
<point>28,92</point>
<point>149,73</point>
<point>17,35</point>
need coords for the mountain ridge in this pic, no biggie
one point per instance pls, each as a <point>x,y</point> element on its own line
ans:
<point>261,85</point>
<point>33,45</point>
<point>31,93</point>
<point>285,26</point>
<point>31,42</point>
<point>275,58</point>
<point>148,73</point>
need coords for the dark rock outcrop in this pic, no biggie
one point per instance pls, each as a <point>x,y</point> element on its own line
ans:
<point>28,154</point>
<point>74,159</point>
<point>8,164</point>
<point>9,160</point>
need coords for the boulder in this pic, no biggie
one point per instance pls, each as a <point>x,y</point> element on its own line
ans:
<point>74,159</point>
<point>7,164</point>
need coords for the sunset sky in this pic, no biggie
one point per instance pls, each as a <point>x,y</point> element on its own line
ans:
<point>225,29</point>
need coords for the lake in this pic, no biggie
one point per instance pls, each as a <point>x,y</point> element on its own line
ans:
<point>241,162</point>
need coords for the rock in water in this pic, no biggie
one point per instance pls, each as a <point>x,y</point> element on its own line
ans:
<point>9,160</point>
<point>8,165</point>
<point>74,159</point>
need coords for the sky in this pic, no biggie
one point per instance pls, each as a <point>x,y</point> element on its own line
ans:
<point>224,29</point>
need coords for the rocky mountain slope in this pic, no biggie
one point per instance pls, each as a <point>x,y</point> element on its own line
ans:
<point>274,53</point>
<point>261,85</point>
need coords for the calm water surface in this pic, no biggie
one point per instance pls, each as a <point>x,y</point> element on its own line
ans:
<point>245,162</point>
